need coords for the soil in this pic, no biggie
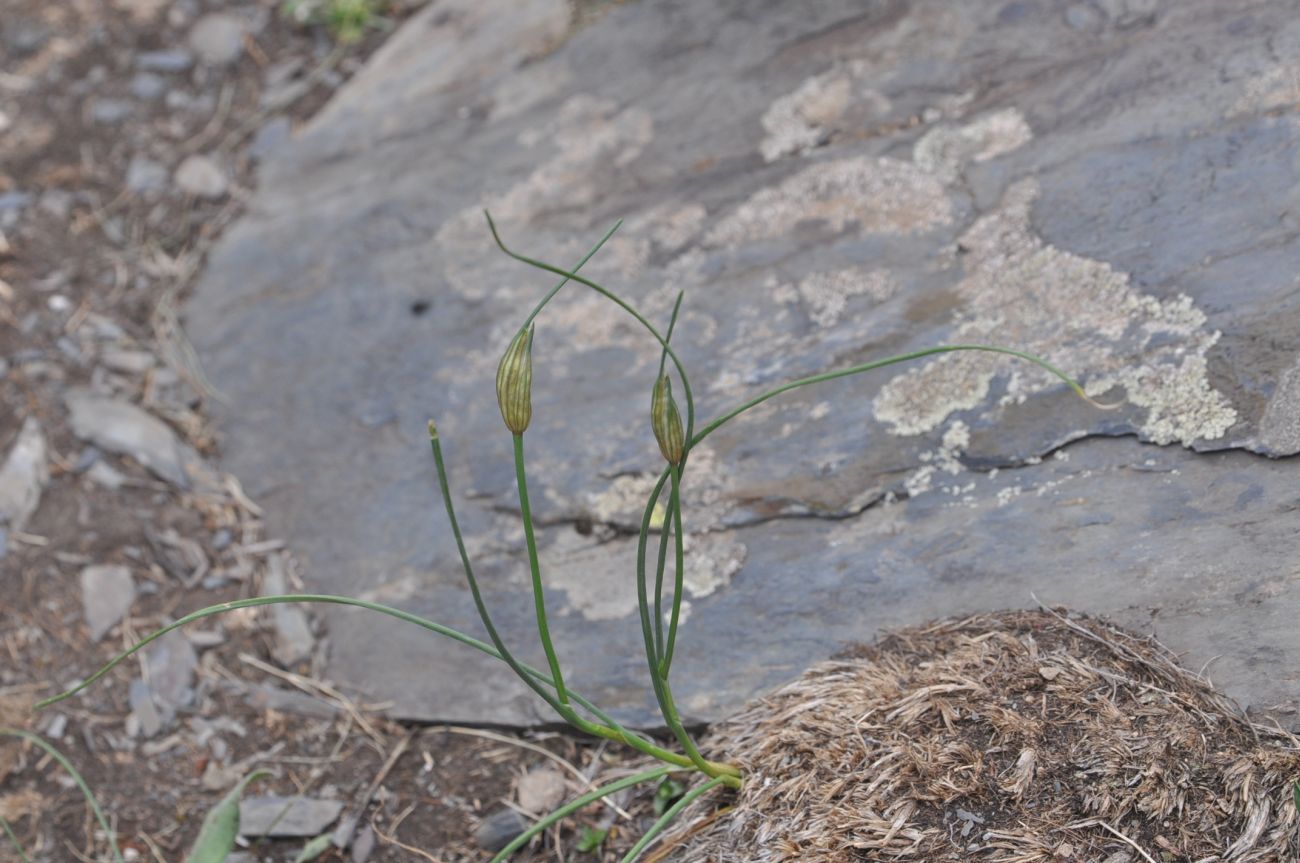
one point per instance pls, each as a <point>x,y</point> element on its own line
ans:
<point>95,253</point>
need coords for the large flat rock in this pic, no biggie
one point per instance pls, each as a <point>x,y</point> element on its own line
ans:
<point>1112,185</point>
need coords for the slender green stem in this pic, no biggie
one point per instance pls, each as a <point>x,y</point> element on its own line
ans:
<point>573,806</point>
<point>76,777</point>
<point>889,361</point>
<point>663,694</point>
<point>541,304</point>
<point>621,303</point>
<point>13,840</point>
<point>660,565</point>
<point>679,574</point>
<point>667,818</point>
<point>534,565</point>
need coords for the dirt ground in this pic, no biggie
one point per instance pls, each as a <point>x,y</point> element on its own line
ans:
<point>102,229</point>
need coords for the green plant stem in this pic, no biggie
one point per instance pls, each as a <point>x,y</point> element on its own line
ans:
<point>679,575</point>
<point>611,730</point>
<point>889,361</point>
<point>534,565</point>
<point>660,564</point>
<point>13,840</point>
<point>76,778</point>
<point>667,818</point>
<point>573,806</point>
<point>541,304</point>
<point>663,695</point>
<point>618,301</point>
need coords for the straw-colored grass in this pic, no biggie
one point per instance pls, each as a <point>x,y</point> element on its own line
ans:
<point>1022,737</point>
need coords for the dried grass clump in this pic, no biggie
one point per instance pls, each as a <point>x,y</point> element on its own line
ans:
<point>1020,737</point>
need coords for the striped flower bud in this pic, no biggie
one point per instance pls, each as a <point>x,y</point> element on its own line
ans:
<point>667,421</point>
<point>515,382</point>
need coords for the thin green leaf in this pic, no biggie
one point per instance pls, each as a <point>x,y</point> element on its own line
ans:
<point>76,778</point>
<point>591,839</point>
<point>314,848</point>
<point>13,840</point>
<point>667,818</point>
<point>221,825</point>
<point>667,794</point>
<point>1295,794</point>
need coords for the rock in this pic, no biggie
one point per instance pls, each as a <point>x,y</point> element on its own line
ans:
<point>147,86</point>
<point>23,37</point>
<point>541,789</point>
<point>286,816</point>
<point>217,39</point>
<point>105,475</point>
<point>364,845</point>
<point>293,638</point>
<point>172,60</point>
<point>495,831</point>
<point>168,684</point>
<point>120,427</point>
<point>1136,225</point>
<point>202,177</point>
<point>131,362</point>
<point>107,592</point>
<point>270,137</point>
<point>23,476</point>
<point>110,111</point>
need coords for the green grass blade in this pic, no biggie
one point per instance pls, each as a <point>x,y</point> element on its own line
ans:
<point>13,840</point>
<point>76,778</point>
<point>541,304</point>
<point>667,818</point>
<point>569,808</point>
<point>535,569</point>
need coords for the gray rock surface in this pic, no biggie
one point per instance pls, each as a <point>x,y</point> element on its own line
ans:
<point>23,476</point>
<point>286,816</point>
<point>829,183</point>
<point>107,592</point>
<point>293,638</point>
<point>167,684</point>
<point>217,38</point>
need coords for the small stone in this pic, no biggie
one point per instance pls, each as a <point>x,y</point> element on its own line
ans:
<point>5,122</point>
<point>364,845</point>
<point>1049,672</point>
<point>164,61</point>
<point>110,111</point>
<point>121,427</point>
<point>24,475</point>
<point>293,639</point>
<point>128,361</point>
<point>107,592</point>
<point>202,177</point>
<point>286,816</point>
<point>495,831</point>
<point>145,720</point>
<point>103,474</point>
<point>170,663</point>
<point>217,39</point>
<point>541,789</point>
<point>147,86</point>
<point>58,725</point>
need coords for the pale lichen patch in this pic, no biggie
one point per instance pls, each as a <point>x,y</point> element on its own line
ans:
<point>946,149</point>
<point>1078,313</point>
<point>807,117</point>
<point>827,294</point>
<point>879,195</point>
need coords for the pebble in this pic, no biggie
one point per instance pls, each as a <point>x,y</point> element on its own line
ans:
<point>293,639</point>
<point>147,86</point>
<point>164,61</point>
<point>121,427</point>
<point>364,845</point>
<point>107,592</point>
<point>128,361</point>
<point>495,831</point>
<point>110,111</point>
<point>24,475</point>
<point>170,662</point>
<point>145,175</point>
<point>5,122</point>
<point>217,39</point>
<point>105,475</point>
<point>541,789</point>
<point>297,816</point>
<point>202,177</point>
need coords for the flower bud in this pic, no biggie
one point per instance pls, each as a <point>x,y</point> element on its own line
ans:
<point>667,421</point>
<point>515,382</point>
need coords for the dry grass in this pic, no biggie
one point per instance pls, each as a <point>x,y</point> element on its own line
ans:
<point>1020,737</point>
